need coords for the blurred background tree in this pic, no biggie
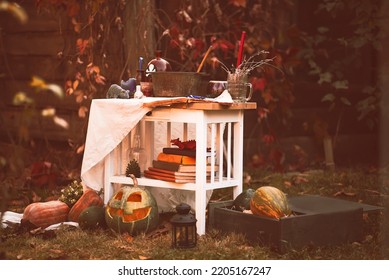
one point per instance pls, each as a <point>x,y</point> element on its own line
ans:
<point>327,51</point>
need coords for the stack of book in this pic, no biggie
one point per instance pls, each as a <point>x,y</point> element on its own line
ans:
<point>175,165</point>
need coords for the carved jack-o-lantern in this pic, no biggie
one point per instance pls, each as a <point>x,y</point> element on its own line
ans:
<point>132,209</point>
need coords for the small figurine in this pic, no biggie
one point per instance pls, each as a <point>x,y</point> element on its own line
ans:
<point>115,91</point>
<point>129,85</point>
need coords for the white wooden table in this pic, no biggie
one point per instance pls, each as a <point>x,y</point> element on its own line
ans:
<point>217,127</point>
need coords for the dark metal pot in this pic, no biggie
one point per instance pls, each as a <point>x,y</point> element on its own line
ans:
<point>179,84</point>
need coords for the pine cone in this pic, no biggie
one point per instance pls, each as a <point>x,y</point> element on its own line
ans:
<point>133,168</point>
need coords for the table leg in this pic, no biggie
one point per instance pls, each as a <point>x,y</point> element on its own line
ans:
<point>108,172</point>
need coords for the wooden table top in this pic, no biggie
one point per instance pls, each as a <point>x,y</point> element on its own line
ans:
<point>198,104</point>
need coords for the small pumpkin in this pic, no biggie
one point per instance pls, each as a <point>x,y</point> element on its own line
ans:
<point>132,209</point>
<point>269,202</point>
<point>242,201</point>
<point>44,214</point>
<point>92,217</point>
<point>88,198</point>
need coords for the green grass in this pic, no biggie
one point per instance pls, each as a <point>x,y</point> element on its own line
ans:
<point>362,185</point>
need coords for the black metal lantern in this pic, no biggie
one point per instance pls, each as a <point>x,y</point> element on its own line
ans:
<point>184,231</point>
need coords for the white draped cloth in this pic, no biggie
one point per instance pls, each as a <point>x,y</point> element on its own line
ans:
<point>110,121</point>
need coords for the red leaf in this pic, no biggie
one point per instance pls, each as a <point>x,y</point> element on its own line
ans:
<point>277,157</point>
<point>43,173</point>
<point>267,97</point>
<point>174,44</point>
<point>262,113</point>
<point>258,160</point>
<point>223,45</point>
<point>258,83</point>
<point>239,3</point>
<point>82,111</point>
<point>82,45</point>
<point>100,79</point>
<point>73,8</point>
<point>268,139</point>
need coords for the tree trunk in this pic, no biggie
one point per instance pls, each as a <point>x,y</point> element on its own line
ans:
<point>139,33</point>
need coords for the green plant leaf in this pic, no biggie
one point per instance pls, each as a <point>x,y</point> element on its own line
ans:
<point>325,77</point>
<point>15,9</point>
<point>322,29</point>
<point>21,98</point>
<point>368,89</point>
<point>56,89</point>
<point>345,101</point>
<point>343,84</point>
<point>330,97</point>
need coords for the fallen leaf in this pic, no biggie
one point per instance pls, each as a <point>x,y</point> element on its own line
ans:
<point>368,239</point>
<point>144,258</point>
<point>35,197</point>
<point>350,194</point>
<point>373,192</point>
<point>287,184</point>
<point>339,193</point>
<point>56,251</point>
<point>300,179</point>
<point>55,254</point>
<point>127,237</point>
<point>163,229</point>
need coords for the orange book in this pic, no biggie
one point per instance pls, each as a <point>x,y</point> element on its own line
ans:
<point>176,158</point>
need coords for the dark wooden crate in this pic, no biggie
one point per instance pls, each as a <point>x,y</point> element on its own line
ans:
<point>318,221</point>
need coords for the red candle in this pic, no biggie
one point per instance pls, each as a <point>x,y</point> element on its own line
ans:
<point>240,54</point>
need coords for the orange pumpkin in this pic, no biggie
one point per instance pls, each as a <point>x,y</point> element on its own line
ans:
<point>88,198</point>
<point>44,214</point>
<point>269,202</point>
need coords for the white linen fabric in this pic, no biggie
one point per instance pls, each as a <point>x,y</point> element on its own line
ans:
<point>110,121</point>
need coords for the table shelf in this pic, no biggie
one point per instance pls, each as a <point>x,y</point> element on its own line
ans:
<point>143,181</point>
<point>216,128</point>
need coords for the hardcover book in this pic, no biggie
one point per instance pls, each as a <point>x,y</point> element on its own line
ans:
<point>175,173</point>
<point>177,151</point>
<point>183,152</point>
<point>176,158</point>
<point>172,166</point>
<point>168,177</point>
<point>171,176</point>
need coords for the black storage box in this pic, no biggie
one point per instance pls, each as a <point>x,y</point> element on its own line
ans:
<point>317,221</point>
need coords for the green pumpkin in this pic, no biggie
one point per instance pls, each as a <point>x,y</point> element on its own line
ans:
<point>242,201</point>
<point>270,202</point>
<point>132,209</point>
<point>92,217</point>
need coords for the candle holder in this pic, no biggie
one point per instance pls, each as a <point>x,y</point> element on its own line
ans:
<point>184,231</point>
